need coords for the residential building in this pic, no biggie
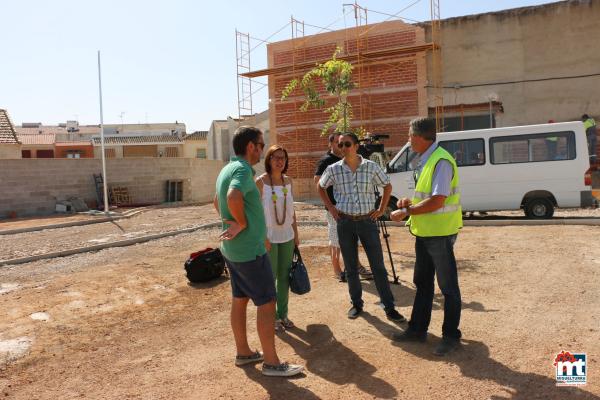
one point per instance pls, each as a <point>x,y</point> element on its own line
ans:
<point>10,147</point>
<point>72,140</point>
<point>121,146</point>
<point>75,149</point>
<point>220,134</point>
<point>195,144</point>
<point>37,146</point>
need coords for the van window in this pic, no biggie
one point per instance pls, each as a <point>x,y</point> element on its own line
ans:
<point>467,152</point>
<point>407,161</point>
<point>552,146</point>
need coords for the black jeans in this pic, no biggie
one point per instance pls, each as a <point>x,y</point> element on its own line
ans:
<point>435,255</point>
<point>349,232</point>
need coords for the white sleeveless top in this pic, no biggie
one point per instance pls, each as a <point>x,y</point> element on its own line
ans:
<point>278,233</point>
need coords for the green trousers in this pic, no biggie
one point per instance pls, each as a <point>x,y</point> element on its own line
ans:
<point>281,261</point>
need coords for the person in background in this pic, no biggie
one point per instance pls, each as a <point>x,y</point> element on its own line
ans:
<point>282,231</point>
<point>591,133</point>
<point>237,201</point>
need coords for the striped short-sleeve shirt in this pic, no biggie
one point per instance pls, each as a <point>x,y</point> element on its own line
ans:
<point>354,192</point>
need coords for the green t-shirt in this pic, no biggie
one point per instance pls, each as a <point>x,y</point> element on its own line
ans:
<point>250,242</point>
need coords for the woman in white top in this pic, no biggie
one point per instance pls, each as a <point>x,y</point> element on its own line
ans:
<point>282,233</point>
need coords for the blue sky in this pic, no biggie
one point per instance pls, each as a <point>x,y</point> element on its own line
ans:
<point>162,61</point>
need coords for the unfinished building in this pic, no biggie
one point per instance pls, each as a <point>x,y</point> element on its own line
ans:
<point>513,67</point>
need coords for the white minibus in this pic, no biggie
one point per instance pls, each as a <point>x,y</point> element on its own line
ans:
<point>535,168</point>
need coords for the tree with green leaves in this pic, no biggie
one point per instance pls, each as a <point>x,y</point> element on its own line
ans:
<point>336,76</point>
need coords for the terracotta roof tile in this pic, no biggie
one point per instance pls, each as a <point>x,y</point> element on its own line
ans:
<point>37,139</point>
<point>53,129</point>
<point>146,139</point>
<point>198,135</point>
<point>7,130</point>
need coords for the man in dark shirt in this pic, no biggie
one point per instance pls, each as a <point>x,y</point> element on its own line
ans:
<point>333,155</point>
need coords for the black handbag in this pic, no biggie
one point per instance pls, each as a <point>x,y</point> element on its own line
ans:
<point>299,282</point>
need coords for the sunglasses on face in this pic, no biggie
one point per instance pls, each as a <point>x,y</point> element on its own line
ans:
<point>259,144</point>
<point>278,158</point>
<point>345,143</point>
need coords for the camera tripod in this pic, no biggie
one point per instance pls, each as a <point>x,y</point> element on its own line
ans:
<point>382,228</point>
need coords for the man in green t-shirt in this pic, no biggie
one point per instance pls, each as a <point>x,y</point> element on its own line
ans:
<point>238,202</point>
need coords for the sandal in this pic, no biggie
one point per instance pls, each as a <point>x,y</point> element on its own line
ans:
<point>287,324</point>
<point>279,326</point>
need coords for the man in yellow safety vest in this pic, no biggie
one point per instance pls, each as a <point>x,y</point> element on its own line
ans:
<point>591,132</point>
<point>435,218</point>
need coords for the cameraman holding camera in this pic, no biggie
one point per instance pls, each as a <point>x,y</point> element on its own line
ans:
<point>353,179</point>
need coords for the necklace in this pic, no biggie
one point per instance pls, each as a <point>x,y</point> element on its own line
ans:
<point>274,198</point>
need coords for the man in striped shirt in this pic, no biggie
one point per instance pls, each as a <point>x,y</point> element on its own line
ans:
<point>354,179</point>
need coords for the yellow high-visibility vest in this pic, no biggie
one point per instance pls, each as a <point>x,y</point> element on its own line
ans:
<point>447,220</point>
<point>588,123</point>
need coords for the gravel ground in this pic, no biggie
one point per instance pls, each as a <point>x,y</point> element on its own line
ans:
<point>123,323</point>
<point>159,220</point>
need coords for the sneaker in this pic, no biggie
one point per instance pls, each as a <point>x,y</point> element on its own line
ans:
<point>394,315</point>
<point>252,358</point>
<point>342,276</point>
<point>283,369</point>
<point>446,346</point>
<point>409,336</point>
<point>354,312</point>
<point>365,273</point>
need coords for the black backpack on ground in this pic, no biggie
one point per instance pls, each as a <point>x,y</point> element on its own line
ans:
<point>205,265</point>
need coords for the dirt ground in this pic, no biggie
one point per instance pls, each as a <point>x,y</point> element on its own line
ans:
<point>123,323</point>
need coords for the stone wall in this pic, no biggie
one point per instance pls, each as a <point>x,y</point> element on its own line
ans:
<point>32,186</point>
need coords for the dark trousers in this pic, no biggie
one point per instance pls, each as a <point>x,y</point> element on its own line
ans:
<point>435,256</point>
<point>349,232</point>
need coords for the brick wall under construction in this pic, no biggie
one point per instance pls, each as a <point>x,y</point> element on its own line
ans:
<point>389,70</point>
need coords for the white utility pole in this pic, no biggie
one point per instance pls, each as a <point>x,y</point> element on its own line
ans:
<point>102,139</point>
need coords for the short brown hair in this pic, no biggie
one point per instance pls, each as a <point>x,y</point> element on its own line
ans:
<point>424,127</point>
<point>242,136</point>
<point>269,154</point>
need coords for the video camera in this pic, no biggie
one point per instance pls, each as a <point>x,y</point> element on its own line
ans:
<point>371,144</point>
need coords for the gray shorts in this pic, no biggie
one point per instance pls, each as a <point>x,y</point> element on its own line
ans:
<point>252,279</point>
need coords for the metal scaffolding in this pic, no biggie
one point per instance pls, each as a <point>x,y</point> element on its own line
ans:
<point>244,83</point>
<point>437,81</point>
<point>362,58</point>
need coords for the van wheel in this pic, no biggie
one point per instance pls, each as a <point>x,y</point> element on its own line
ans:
<point>539,208</point>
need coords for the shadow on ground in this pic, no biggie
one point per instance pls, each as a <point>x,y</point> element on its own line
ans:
<point>473,359</point>
<point>329,359</point>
